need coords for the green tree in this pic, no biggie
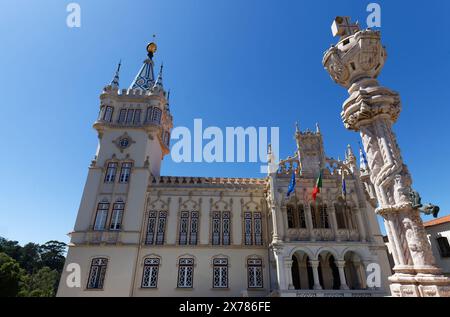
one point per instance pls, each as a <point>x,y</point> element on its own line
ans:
<point>10,276</point>
<point>40,284</point>
<point>52,255</point>
<point>30,258</point>
<point>11,248</point>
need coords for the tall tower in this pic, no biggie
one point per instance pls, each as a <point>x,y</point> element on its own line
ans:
<point>133,129</point>
<point>355,63</point>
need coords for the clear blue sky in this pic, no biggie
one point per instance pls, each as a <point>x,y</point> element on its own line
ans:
<point>231,63</point>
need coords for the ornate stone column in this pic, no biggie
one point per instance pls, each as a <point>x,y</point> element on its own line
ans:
<point>288,273</point>
<point>281,267</point>
<point>341,265</point>
<point>355,63</point>
<point>315,268</point>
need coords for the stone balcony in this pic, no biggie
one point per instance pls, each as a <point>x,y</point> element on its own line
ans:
<point>303,234</point>
<point>96,237</point>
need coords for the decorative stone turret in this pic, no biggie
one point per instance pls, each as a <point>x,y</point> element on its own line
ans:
<point>355,63</point>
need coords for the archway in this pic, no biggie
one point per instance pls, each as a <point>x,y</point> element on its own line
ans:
<point>301,270</point>
<point>354,270</point>
<point>328,271</point>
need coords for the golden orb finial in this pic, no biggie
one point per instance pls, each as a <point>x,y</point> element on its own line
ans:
<point>151,48</point>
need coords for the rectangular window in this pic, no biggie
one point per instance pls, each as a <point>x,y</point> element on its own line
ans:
<point>184,224</point>
<point>258,227</point>
<point>185,273</point>
<point>108,114</point>
<point>220,273</point>
<point>137,117</point>
<point>130,114</point>
<point>117,214</point>
<point>290,216</point>
<point>226,227</point>
<point>150,273</point>
<point>161,227</point>
<point>151,225</point>
<point>122,115</point>
<point>216,228</point>
<point>444,247</point>
<point>125,171</point>
<point>101,216</point>
<point>248,228</point>
<point>110,174</point>
<point>301,216</point>
<point>255,273</point>
<point>194,228</point>
<point>156,115</point>
<point>97,273</point>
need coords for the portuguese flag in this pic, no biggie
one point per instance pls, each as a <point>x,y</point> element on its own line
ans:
<point>318,186</point>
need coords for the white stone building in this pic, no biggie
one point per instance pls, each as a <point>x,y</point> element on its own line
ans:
<point>138,233</point>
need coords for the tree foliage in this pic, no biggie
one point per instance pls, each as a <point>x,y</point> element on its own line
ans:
<point>32,270</point>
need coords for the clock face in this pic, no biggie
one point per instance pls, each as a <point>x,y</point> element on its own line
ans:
<point>124,142</point>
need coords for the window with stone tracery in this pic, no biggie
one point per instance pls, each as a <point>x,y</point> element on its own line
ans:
<point>185,273</point>
<point>253,228</point>
<point>125,172</point>
<point>344,216</point>
<point>221,228</point>
<point>255,273</point>
<point>150,273</point>
<point>220,273</point>
<point>188,230</point>
<point>156,227</point>
<point>319,215</point>
<point>97,273</point>
<point>296,218</point>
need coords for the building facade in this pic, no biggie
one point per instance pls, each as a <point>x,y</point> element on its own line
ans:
<point>138,233</point>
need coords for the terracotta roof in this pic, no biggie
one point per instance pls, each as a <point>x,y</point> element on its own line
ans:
<point>437,221</point>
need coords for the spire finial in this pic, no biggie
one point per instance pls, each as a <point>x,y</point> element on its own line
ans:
<point>151,48</point>
<point>317,127</point>
<point>115,81</point>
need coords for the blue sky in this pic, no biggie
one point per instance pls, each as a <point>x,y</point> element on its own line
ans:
<point>231,63</point>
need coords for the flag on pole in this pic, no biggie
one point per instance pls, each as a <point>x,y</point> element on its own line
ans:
<point>318,186</point>
<point>344,187</point>
<point>363,157</point>
<point>292,184</point>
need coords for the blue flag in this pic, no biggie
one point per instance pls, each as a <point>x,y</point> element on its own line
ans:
<point>344,187</point>
<point>291,187</point>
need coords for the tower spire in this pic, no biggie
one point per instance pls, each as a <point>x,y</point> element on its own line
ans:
<point>145,79</point>
<point>159,80</point>
<point>115,81</point>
